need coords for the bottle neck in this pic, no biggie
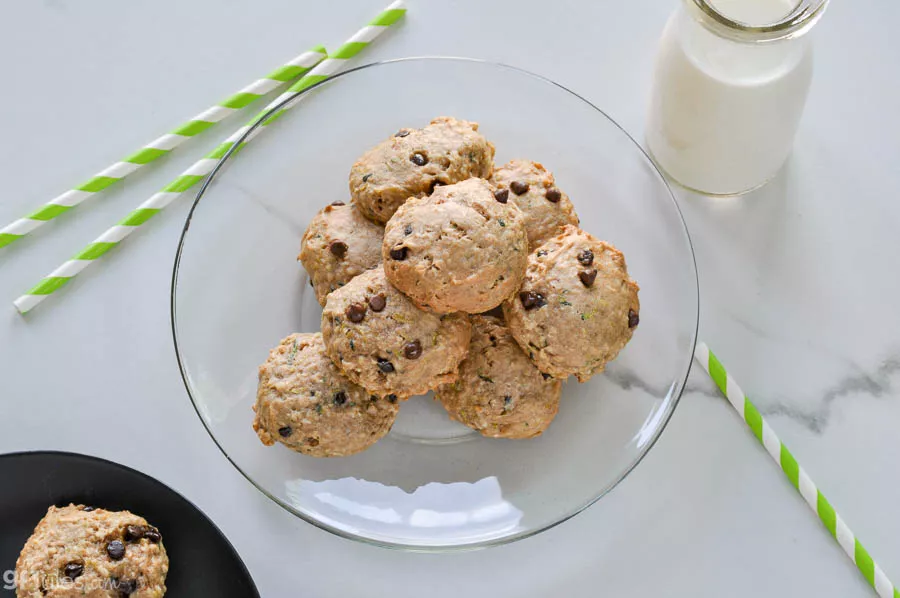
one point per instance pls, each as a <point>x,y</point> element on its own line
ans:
<point>757,21</point>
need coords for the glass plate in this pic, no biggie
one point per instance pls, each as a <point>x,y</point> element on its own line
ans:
<point>432,484</point>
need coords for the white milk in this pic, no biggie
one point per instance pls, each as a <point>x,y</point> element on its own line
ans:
<point>724,113</point>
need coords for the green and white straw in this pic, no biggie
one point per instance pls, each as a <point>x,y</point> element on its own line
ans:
<point>160,147</point>
<point>798,477</point>
<point>203,167</point>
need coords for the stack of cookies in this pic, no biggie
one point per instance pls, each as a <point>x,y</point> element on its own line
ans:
<point>444,273</point>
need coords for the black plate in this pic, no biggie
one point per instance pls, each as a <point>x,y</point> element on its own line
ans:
<point>201,560</point>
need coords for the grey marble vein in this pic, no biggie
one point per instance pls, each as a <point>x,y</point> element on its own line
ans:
<point>875,384</point>
<point>627,379</point>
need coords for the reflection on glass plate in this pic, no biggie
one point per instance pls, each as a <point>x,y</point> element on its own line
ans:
<point>435,513</point>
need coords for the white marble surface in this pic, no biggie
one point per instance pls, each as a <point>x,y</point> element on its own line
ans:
<point>798,282</point>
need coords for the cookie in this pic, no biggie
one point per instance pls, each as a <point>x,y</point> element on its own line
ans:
<point>83,551</point>
<point>500,393</point>
<point>460,249</point>
<point>380,340</point>
<point>533,189</point>
<point>577,307</point>
<point>338,245</point>
<point>304,402</point>
<point>414,161</point>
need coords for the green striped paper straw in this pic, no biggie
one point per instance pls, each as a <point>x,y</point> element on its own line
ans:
<point>160,147</point>
<point>203,167</point>
<point>798,477</point>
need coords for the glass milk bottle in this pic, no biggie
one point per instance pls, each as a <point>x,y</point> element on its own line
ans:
<point>730,85</point>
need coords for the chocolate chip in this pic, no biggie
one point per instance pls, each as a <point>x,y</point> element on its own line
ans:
<point>73,570</point>
<point>507,400</point>
<point>285,431</point>
<point>133,533</point>
<point>501,195</point>
<point>586,257</point>
<point>88,509</point>
<point>434,184</point>
<point>126,587</point>
<point>418,159</point>
<point>407,230</point>
<point>377,302</point>
<point>337,203</point>
<point>401,133</point>
<point>385,366</point>
<point>152,534</point>
<point>355,312</point>
<point>312,441</point>
<point>546,376</point>
<point>340,397</point>
<point>541,252</point>
<point>338,248</point>
<point>392,398</point>
<point>531,300</point>
<point>633,318</point>
<point>367,176</point>
<point>553,195</point>
<point>518,187</point>
<point>412,350</point>
<point>116,550</point>
<point>399,253</point>
<point>587,276</point>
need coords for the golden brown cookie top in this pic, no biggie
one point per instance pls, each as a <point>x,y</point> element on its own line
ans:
<point>412,162</point>
<point>577,306</point>
<point>461,249</point>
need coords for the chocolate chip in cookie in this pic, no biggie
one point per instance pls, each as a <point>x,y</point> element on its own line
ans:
<point>385,366</point>
<point>377,302</point>
<point>340,397</point>
<point>399,253</point>
<point>133,533</point>
<point>586,257</point>
<point>419,159</point>
<point>553,195</point>
<point>531,300</point>
<point>587,277</point>
<point>152,534</point>
<point>355,312</point>
<point>412,350</point>
<point>518,187</point>
<point>633,318</point>
<point>73,570</point>
<point>285,431</point>
<point>338,248</point>
<point>501,195</point>
<point>126,587</point>
<point>116,550</point>
<point>402,133</point>
<point>337,203</point>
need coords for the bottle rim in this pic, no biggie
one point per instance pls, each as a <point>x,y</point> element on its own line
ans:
<point>796,23</point>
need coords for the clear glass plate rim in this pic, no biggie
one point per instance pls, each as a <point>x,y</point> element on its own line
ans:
<point>672,399</point>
